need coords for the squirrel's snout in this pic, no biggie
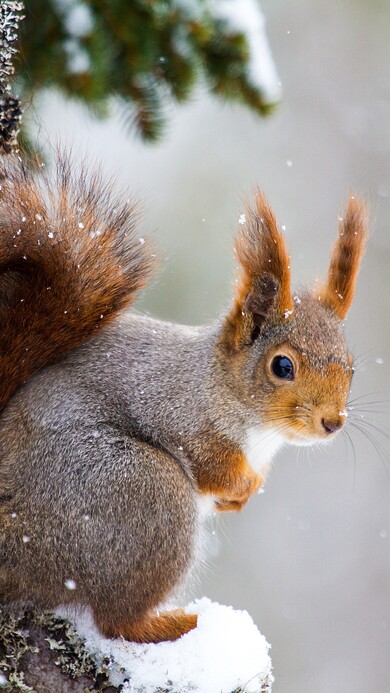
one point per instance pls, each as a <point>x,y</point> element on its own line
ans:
<point>332,425</point>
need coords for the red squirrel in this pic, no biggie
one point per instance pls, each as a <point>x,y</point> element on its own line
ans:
<point>114,426</point>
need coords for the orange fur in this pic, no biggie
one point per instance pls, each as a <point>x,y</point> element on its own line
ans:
<point>310,399</point>
<point>223,471</point>
<point>339,289</point>
<point>265,279</point>
<point>167,625</point>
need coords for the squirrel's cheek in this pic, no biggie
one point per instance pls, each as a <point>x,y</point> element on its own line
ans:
<point>305,417</point>
<point>281,411</point>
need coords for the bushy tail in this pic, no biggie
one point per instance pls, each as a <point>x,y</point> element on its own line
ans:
<point>70,259</point>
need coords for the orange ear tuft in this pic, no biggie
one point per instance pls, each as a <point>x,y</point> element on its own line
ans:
<point>264,281</point>
<point>337,294</point>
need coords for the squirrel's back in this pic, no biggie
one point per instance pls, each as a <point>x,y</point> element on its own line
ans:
<point>70,260</point>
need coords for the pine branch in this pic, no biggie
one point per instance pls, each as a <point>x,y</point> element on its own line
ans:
<point>148,54</point>
<point>10,109</point>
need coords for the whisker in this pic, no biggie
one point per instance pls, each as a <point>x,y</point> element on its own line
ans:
<point>364,357</point>
<point>359,410</point>
<point>364,354</point>
<point>376,445</point>
<point>347,437</point>
<point>359,363</point>
<point>305,407</point>
<point>379,429</point>
<point>283,424</point>
<point>222,529</point>
<point>371,394</point>
<point>263,442</point>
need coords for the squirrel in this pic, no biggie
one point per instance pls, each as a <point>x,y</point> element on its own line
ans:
<point>116,429</point>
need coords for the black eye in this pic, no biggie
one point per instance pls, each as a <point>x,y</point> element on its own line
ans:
<point>282,367</point>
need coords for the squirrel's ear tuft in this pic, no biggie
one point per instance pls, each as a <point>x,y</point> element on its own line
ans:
<point>264,282</point>
<point>338,291</point>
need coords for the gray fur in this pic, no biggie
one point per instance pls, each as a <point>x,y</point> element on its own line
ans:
<point>94,464</point>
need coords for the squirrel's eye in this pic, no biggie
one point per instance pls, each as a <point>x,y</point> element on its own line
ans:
<point>282,367</point>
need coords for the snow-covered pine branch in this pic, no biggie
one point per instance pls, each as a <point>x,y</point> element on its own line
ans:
<point>148,55</point>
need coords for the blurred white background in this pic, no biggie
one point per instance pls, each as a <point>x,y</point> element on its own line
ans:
<point>310,558</point>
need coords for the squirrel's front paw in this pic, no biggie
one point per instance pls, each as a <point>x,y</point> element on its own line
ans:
<point>234,499</point>
<point>223,505</point>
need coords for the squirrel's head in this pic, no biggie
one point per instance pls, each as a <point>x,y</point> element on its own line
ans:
<point>285,352</point>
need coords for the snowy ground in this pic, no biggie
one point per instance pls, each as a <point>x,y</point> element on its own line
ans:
<point>224,653</point>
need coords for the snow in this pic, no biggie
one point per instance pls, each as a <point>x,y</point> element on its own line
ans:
<point>78,58</point>
<point>241,16</point>
<point>224,652</point>
<point>78,21</point>
<point>191,8</point>
<point>245,16</point>
<point>77,15</point>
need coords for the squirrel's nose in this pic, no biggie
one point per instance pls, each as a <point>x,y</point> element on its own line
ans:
<point>332,425</point>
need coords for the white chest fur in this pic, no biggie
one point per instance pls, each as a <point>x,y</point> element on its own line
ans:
<point>205,506</point>
<point>261,446</point>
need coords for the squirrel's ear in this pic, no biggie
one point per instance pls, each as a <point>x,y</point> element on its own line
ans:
<point>339,289</point>
<point>264,282</point>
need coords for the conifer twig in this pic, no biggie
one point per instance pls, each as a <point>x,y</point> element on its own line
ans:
<point>10,109</point>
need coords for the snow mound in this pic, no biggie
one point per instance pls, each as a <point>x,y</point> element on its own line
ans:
<point>224,653</point>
